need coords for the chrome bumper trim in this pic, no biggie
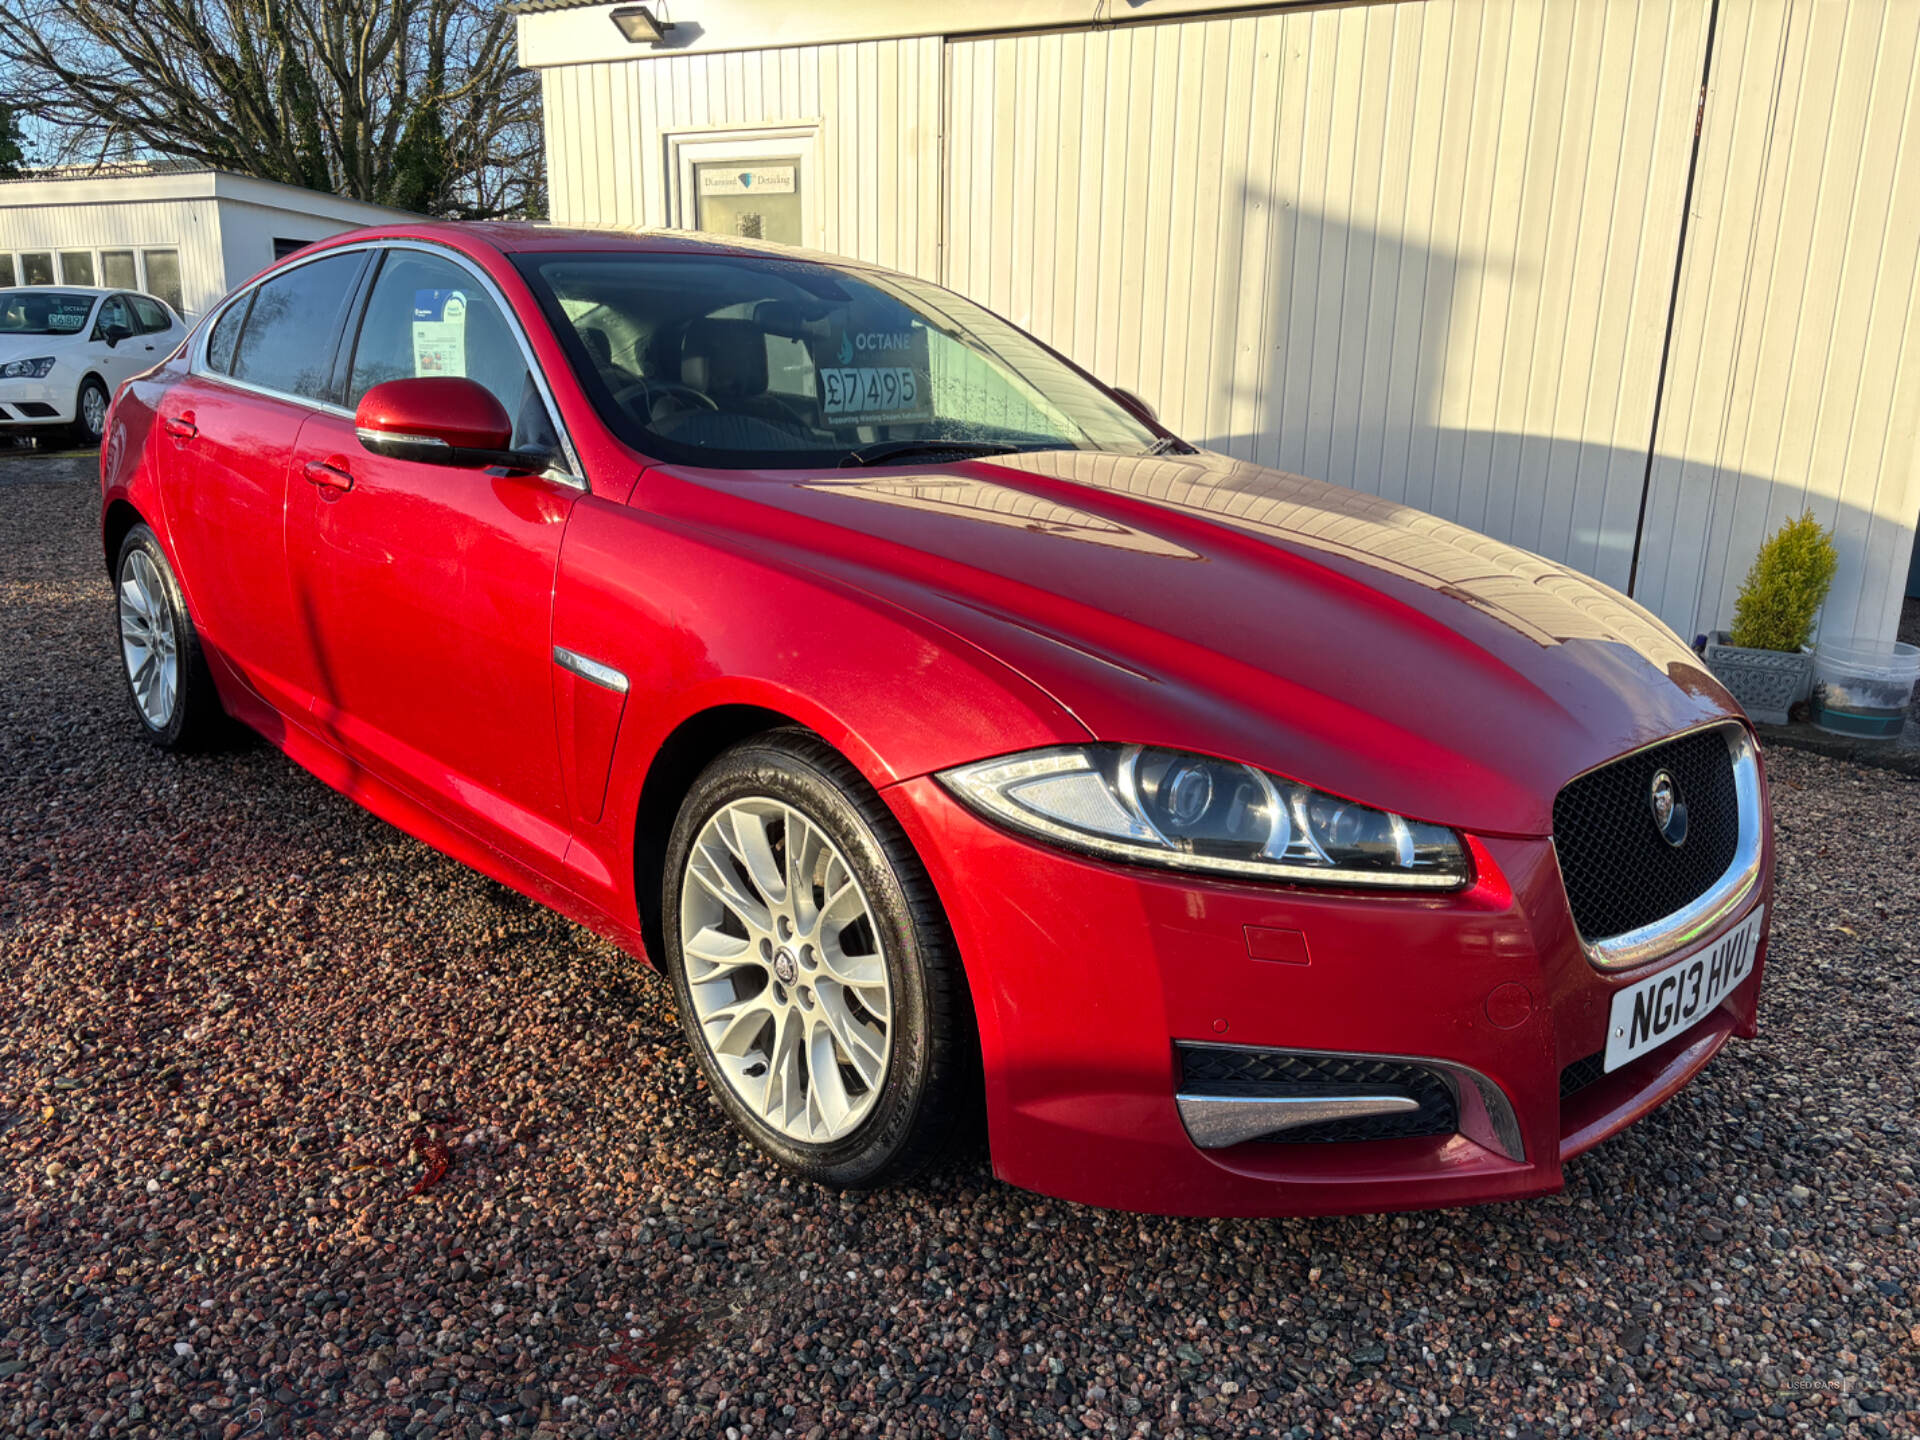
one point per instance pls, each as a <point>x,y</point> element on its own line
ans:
<point>1727,895</point>
<point>1486,1115</point>
<point>1216,1121</point>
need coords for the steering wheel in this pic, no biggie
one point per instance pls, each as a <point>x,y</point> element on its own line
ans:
<point>691,398</point>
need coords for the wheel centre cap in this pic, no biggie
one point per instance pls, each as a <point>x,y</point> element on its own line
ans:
<point>786,966</point>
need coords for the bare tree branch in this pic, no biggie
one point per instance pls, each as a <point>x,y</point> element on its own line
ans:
<point>418,104</point>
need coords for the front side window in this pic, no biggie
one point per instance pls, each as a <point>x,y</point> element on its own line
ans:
<point>113,312</point>
<point>425,317</point>
<point>287,341</point>
<point>43,312</point>
<point>750,361</point>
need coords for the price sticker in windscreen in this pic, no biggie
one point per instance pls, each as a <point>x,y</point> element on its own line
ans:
<point>882,378</point>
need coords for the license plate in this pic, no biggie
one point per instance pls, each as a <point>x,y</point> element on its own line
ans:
<point>1647,1015</point>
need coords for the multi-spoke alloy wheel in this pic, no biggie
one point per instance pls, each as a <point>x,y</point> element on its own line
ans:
<point>167,676</point>
<point>814,970</point>
<point>148,640</point>
<point>784,966</point>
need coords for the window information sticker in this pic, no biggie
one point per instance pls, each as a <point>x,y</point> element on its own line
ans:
<point>439,332</point>
<point>883,377</point>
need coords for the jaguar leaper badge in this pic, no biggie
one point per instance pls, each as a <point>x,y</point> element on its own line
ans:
<point>1669,808</point>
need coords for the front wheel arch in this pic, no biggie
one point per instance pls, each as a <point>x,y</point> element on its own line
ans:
<point>689,749</point>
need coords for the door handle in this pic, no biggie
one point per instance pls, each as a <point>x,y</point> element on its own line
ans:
<point>333,477</point>
<point>180,427</point>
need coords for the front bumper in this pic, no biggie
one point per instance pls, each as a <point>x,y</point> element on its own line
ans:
<point>1087,976</point>
<point>36,404</point>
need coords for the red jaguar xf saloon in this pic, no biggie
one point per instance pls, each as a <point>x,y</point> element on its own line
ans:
<point>953,736</point>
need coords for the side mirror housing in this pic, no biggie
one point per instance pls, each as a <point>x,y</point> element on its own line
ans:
<point>440,420</point>
<point>113,334</point>
<point>1134,403</point>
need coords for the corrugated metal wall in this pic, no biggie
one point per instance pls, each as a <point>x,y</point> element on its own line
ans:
<point>1422,249</point>
<point>1795,373</point>
<point>190,226</point>
<point>877,104</point>
<point>1426,249</point>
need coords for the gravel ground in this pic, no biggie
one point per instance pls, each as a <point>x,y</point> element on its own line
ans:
<point>306,1130</point>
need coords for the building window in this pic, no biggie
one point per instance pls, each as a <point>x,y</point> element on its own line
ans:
<point>117,270</point>
<point>283,246</point>
<point>76,267</point>
<point>36,267</point>
<point>6,272</point>
<point>754,184</point>
<point>163,276</point>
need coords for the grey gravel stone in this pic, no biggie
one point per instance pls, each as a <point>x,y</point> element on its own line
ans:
<point>271,1004</point>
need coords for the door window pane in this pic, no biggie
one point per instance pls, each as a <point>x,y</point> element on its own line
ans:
<point>147,314</point>
<point>36,267</point>
<point>759,200</point>
<point>113,312</point>
<point>163,276</point>
<point>226,331</point>
<point>6,272</point>
<point>117,270</point>
<point>427,317</point>
<point>76,267</point>
<point>287,344</point>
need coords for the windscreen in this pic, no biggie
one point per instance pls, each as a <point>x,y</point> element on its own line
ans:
<point>44,312</point>
<point>764,362</point>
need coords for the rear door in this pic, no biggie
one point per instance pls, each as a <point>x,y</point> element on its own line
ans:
<point>426,591</point>
<point>229,434</point>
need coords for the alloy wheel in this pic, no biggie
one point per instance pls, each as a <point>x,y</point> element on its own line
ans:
<point>93,410</point>
<point>785,970</point>
<point>149,640</point>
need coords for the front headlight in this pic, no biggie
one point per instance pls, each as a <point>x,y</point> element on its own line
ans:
<point>1192,812</point>
<point>36,369</point>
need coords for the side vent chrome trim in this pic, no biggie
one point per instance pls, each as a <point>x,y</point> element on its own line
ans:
<point>1217,1121</point>
<point>593,670</point>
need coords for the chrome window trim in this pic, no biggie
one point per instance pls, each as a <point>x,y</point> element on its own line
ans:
<point>1725,898</point>
<point>573,475</point>
<point>1486,1116</point>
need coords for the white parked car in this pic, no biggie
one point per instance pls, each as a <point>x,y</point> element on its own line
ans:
<point>64,350</point>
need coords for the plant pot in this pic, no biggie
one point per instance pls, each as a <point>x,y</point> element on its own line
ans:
<point>1863,687</point>
<point>1767,683</point>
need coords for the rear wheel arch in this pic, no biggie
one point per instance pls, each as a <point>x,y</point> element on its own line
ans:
<point>115,525</point>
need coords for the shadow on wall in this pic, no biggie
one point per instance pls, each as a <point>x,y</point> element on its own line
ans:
<point>1407,371</point>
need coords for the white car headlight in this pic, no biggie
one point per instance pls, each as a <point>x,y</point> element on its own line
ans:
<point>36,369</point>
<point>1192,812</point>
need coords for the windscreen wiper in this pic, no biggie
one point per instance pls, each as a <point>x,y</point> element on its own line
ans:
<point>887,450</point>
<point>1170,445</point>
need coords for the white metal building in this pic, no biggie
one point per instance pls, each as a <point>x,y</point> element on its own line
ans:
<point>185,233</point>
<point>1626,282</point>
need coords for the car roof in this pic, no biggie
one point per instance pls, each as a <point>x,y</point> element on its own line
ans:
<point>511,237</point>
<point>94,290</point>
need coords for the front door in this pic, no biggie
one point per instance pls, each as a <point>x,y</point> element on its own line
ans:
<point>426,591</point>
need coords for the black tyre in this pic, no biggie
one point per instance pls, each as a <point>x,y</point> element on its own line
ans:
<point>165,670</point>
<point>813,969</point>
<point>90,411</point>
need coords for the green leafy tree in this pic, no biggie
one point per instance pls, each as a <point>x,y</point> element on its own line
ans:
<point>13,145</point>
<point>418,104</point>
<point>1785,587</point>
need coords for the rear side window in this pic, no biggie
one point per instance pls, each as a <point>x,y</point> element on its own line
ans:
<point>427,316</point>
<point>151,317</point>
<point>287,341</point>
<point>226,330</point>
